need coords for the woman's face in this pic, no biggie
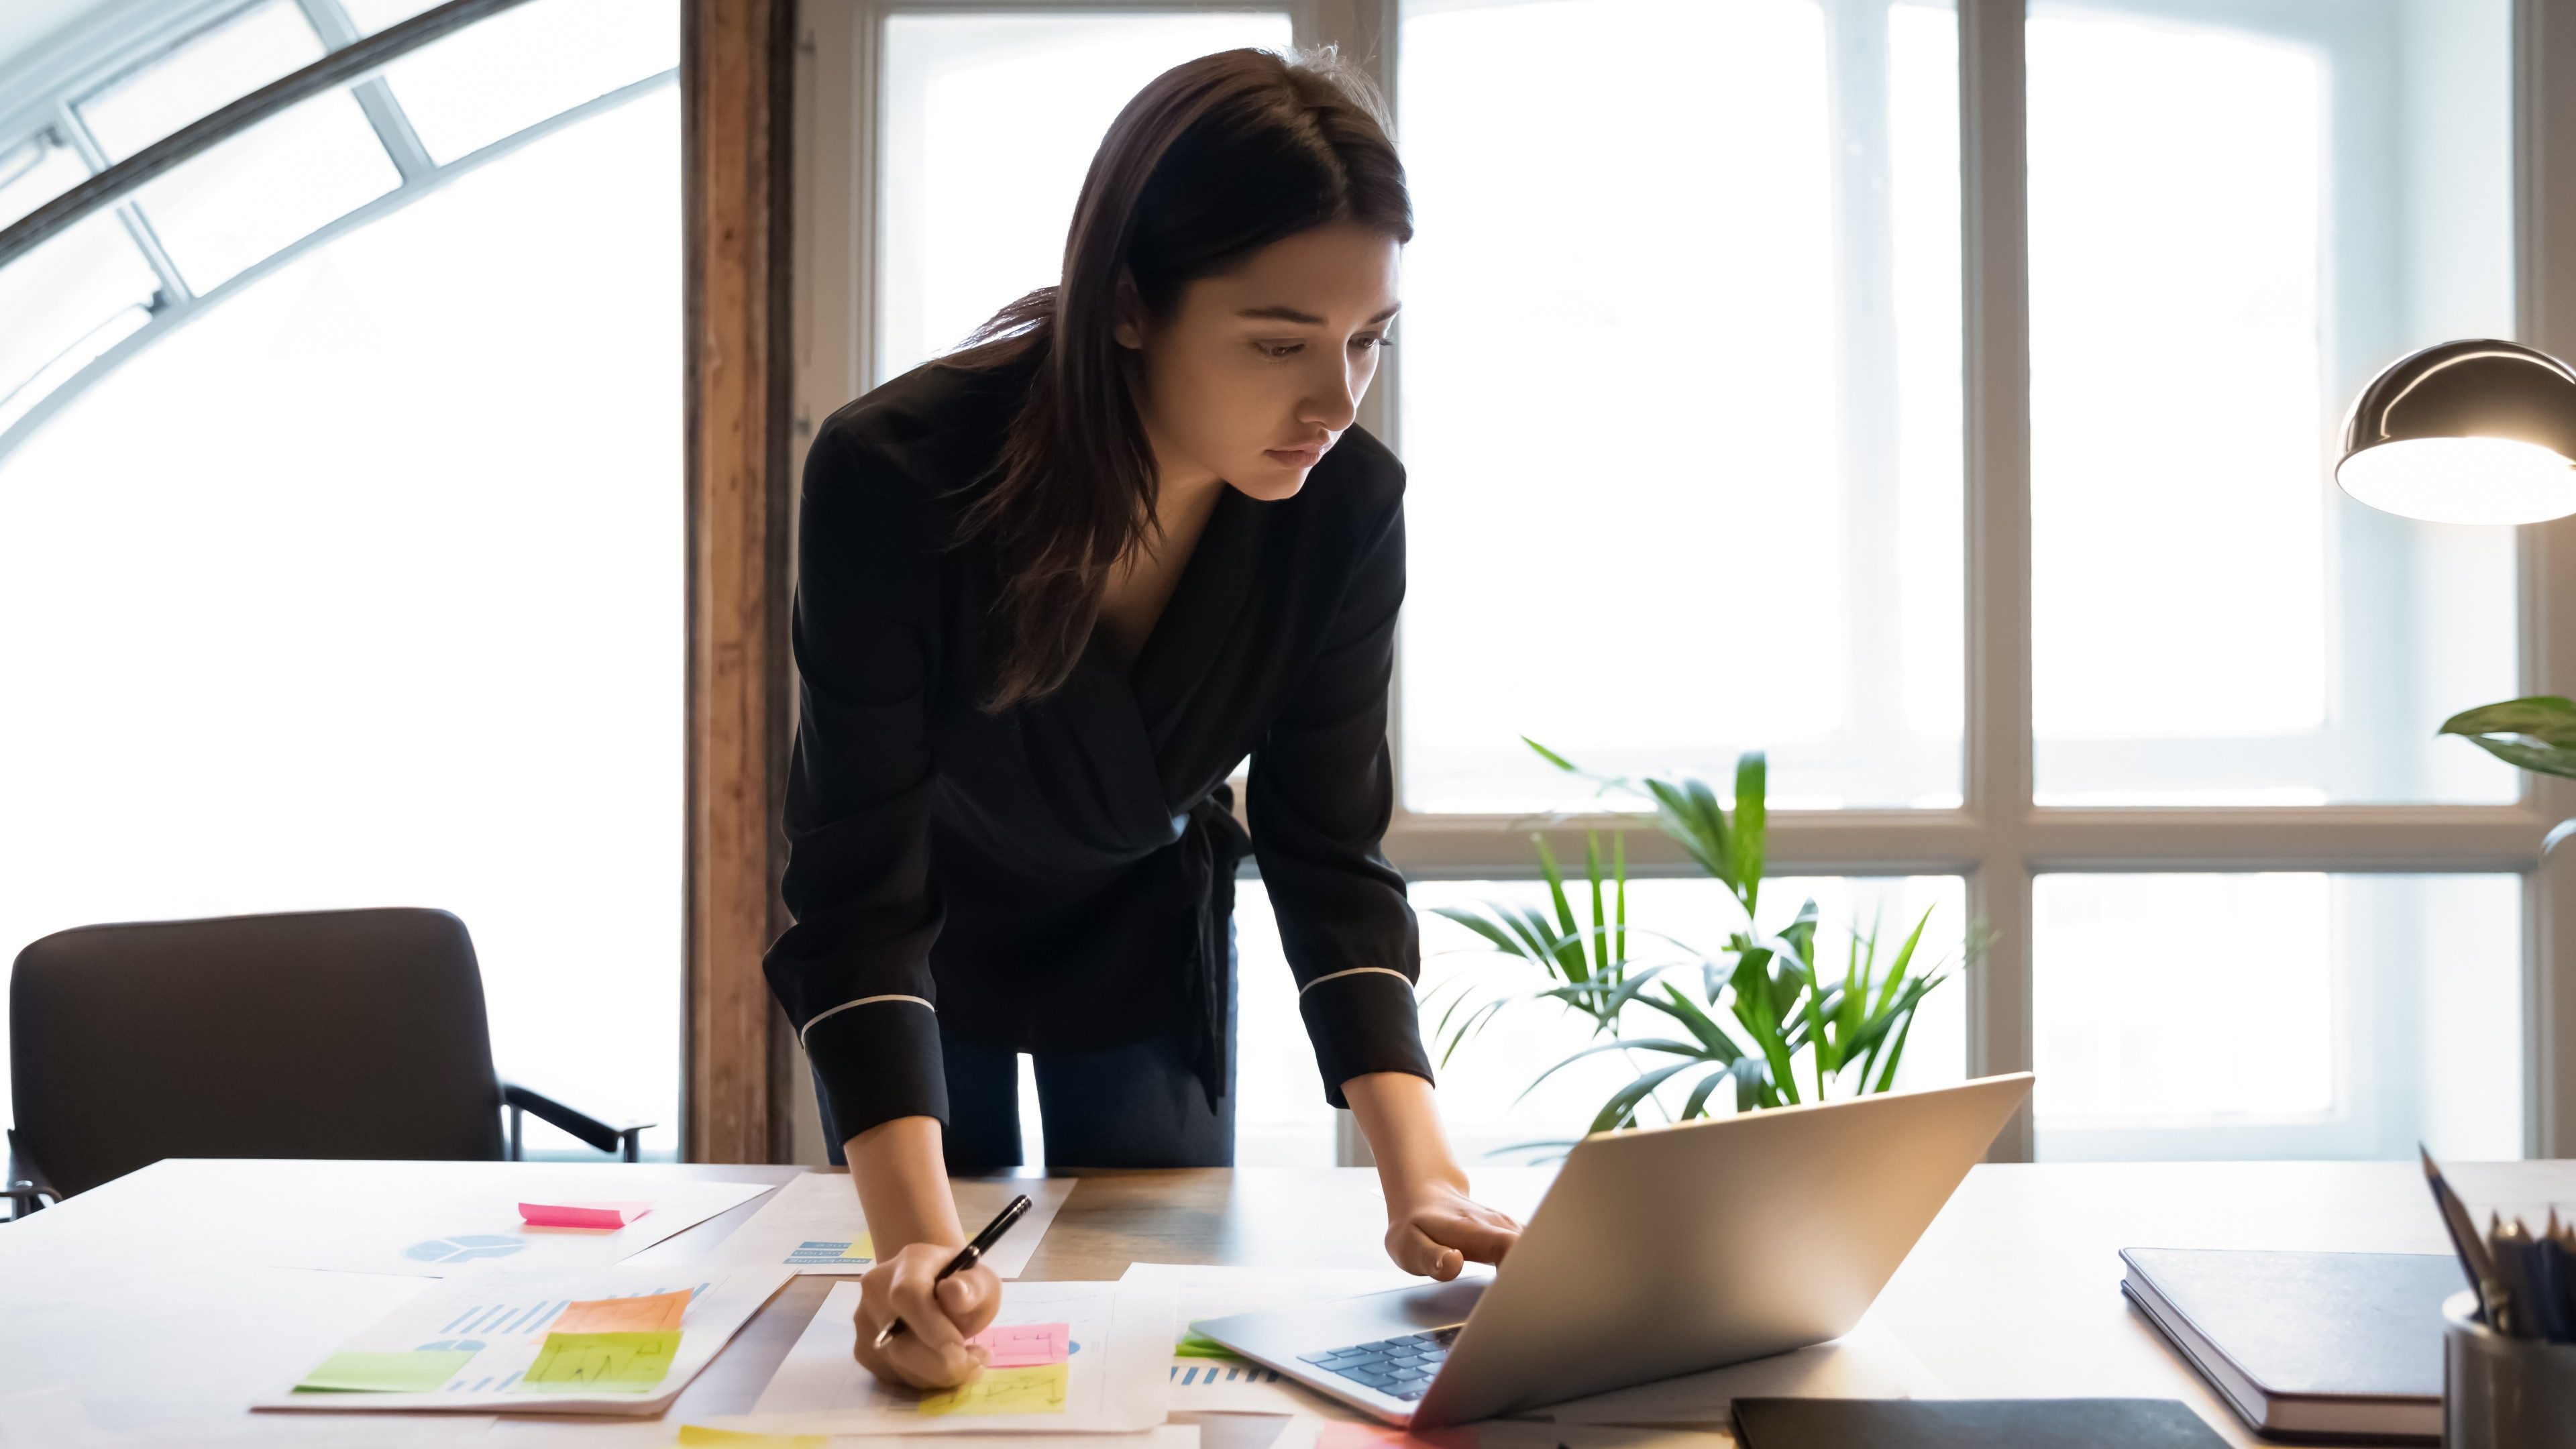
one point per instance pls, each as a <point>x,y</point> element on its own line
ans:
<point>1257,373</point>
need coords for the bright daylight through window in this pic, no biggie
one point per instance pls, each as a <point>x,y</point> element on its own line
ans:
<point>2243,221</point>
<point>363,586</point>
<point>1692,472</point>
<point>1688,477</point>
<point>1682,483</point>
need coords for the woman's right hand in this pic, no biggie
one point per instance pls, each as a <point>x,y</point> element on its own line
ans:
<point>939,1315</point>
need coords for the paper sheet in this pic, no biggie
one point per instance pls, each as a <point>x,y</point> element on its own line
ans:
<point>1518,1434</point>
<point>1869,1362</point>
<point>1118,1339</point>
<point>1166,1436</point>
<point>57,1419</point>
<point>480,1229</point>
<point>503,1320</point>
<point>813,1224</point>
<point>1230,1385</point>
<point>630,1434</point>
<point>1308,1433</point>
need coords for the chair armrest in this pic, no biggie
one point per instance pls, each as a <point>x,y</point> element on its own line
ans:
<point>22,1183</point>
<point>624,1138</point>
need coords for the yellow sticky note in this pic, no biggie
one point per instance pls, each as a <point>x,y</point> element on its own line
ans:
<point>652,1314</point>
<point>692,1436</point>
<point>1038,1389</point>
<point>624,1363</point>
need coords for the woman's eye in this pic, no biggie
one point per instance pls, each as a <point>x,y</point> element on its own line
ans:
<point>1279,349</point>
<point>1365,342</point>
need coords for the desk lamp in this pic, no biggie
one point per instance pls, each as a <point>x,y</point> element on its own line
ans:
<point>2478,431</point>
<point>2467,432</point>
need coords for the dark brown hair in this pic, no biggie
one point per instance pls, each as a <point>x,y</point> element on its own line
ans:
<point>1213,160</point>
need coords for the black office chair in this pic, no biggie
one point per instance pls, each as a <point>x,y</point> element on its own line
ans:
<point>321,1034</point>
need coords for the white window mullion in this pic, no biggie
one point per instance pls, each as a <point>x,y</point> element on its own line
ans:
<point>1996,295</point>
<point>1365,32</point>
<point>2545,273</point>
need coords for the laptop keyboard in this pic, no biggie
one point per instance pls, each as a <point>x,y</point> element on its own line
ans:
<point>1400,1368</point>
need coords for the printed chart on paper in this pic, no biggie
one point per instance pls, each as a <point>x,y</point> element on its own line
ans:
<point>1084,1357</point>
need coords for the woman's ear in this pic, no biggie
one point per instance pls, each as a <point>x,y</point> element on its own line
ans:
<point>1127,327</point>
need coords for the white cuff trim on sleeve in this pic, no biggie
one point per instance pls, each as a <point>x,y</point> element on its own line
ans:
<point>1354,971</point>
<point>862,1001</point>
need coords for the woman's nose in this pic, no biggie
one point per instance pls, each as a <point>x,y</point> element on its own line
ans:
<point>1335,401</point>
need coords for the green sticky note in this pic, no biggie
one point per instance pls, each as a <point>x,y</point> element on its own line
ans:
<point>624,1363</point>
<point>1195,1344</point>
<point>423,1372</point>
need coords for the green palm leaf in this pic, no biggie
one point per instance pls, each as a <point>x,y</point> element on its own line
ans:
<point>2537,733</point>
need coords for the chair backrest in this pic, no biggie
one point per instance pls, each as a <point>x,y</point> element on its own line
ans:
<point>321,1034</point>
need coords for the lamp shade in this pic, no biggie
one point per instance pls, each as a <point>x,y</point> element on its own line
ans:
<point>2468,432</point>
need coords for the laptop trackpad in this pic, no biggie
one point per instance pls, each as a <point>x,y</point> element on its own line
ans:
<point>1287,1332</point>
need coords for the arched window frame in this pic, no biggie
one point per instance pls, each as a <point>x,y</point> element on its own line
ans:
<point>56,78</point>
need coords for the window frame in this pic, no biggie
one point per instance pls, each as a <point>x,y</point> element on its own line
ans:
<point>1999,839</point>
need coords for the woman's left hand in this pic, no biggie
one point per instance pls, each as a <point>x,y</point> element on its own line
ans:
<point>1437,1230</point>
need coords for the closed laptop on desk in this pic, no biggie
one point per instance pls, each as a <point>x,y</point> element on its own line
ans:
<point>2311,1344</point>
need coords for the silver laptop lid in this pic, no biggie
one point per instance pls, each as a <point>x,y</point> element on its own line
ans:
<point>1668,1250</point>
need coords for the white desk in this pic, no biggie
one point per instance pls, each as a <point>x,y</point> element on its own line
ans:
<point>2013,1292</point>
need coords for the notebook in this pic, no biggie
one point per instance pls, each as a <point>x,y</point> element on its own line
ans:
<point>1970,1424</point>
<point>2316,1344</point>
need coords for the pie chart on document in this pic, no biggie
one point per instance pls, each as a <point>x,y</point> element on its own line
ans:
<point>465,1247</point>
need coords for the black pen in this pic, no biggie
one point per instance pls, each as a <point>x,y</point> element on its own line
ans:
<point>967,1256</point>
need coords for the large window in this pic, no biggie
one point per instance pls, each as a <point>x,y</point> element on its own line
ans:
<point>2242,218</point>
<point>1678,394</point>
<point>341,513</point>
<point>1942,400</point>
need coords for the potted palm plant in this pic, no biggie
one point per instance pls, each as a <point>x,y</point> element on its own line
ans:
<point>1764,1015</point>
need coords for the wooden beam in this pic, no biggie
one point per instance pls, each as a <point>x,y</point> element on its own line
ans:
<point>735,63</point>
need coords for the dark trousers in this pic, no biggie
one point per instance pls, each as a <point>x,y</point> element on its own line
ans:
<point>1129,1106</point>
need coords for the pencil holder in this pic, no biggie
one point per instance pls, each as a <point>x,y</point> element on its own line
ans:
<point>2503,1393</point>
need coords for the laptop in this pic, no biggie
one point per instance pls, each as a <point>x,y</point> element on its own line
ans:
<point>1660,1251</point>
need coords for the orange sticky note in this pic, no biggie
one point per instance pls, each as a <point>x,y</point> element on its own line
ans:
<point>1025,1345</point>
<point>654,1314</point>
<point>581,1214</point>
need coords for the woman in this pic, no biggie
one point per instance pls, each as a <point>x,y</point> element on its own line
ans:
<point>1051,590</point>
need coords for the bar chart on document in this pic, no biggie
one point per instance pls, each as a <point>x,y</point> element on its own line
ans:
<point>1207,1379</point>
<point>610,1340</point>
<point>477,1326</point>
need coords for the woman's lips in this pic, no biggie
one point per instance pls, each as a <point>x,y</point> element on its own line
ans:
<point>1305,457</point>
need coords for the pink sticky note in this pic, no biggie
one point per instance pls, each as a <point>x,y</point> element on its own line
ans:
<point>1025,1345</point>
<point>1339,1435</point>
<point>582,1214</point>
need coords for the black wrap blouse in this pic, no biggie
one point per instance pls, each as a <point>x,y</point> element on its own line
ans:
<point>1060,875</point>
